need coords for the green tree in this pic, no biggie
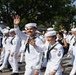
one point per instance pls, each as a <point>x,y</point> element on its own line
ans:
<point>44,12</point>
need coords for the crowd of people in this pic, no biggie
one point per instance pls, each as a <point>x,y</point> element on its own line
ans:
<point>37,50</point>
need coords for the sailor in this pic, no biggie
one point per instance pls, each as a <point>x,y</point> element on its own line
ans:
<point>71,40</point>
<point>6,47</point>
<point>54,54</point>
<point>21,53</point>
<point>15,46</point>
<point>73,50</point>
<point>44,63</point>
<point>33,58</point>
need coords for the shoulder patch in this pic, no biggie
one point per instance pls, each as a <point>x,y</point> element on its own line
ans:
<point>59,54</point>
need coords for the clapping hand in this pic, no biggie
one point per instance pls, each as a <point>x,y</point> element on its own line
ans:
<point>32,42</point>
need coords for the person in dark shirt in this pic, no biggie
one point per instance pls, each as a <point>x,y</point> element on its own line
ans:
<point>63,42</point>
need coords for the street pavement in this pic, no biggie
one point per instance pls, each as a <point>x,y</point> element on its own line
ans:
<point>65,63</point>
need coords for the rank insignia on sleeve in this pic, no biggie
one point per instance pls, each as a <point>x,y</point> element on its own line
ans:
<point>59,53</point>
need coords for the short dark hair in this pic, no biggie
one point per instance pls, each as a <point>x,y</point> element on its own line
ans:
<point>60,33</point>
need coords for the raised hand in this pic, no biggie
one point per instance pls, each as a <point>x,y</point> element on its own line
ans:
<point>16,20</point>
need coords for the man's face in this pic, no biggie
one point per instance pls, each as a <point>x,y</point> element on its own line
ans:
<point>31,31</point>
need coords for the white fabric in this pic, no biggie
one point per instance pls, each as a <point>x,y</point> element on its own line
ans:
<point>53,63</point>
<point>6,46</point>
<point>21,51</point>
<point>50,33</point>
<point>74,29</point>
<point>73,71</point>
<point>14,49</point>
<point>5,31</point>
<point>4,61</point>
<point>34,58</point>
<point>50,29</point>
<point>31,25</point>
<point>11,30</point>
<point>2,56</point>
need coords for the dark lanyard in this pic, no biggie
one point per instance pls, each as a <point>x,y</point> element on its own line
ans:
<point>12,40</point>
<point>6,39</point>
<point>27,47</point>
<point>74,42</point>
<point>71,38</point>
<point>48,52</point>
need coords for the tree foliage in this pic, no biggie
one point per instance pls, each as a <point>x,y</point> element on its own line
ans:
<point>44,12</point>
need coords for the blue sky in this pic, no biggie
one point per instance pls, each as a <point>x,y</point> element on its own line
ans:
<point>74,3</point>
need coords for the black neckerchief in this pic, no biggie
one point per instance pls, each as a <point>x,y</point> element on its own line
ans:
<point>12,40</point>
<point>27,45</point>
<point>48,52</point>
<point>5,39</point>
<point>71,38</point>
<point>74,42</point>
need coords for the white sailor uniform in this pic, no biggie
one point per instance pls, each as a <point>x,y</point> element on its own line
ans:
<point>54,56</point>
<point>15,46</point>
<point>73,49</point>
<point>21,51</point>
<point>33,58</point>
<point>6,46</point>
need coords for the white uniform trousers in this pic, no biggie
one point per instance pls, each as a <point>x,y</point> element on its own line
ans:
<point>14,63</point>
<point>44,62</point>
<point>22,57</point>
<point>48,71</point>
<point>2,56</point>
<point>72,59</point>
<point>30,71</point>
<point>11,61</point>
<point>73,71</point>
<point>5,60</point>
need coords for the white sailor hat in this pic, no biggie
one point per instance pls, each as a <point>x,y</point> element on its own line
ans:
<point>38,32</point>
<point>65,31</point>
<point>31,25</point>
<point>23,31</point>
<point>25,28</point>
<point>50,33</point>
<point>50,29</point>
<point>73,29</point>
<point>12,30</point>
<point>8,27</point>
<point>5,31</point>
